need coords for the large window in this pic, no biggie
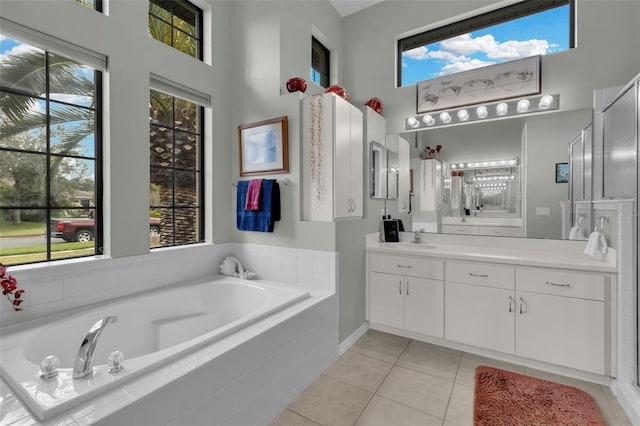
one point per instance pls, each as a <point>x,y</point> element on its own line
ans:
<point>527,28</point>
<point>177,23</point>
<point>320,61</point>
<point>92,4</point>
<point>176,160</point>
<point>50,147</point>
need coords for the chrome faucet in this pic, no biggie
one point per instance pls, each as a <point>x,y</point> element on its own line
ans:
<point>83,365</point>
<point>417,236</point>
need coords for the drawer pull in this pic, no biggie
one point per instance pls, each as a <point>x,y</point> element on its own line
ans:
<point>400,287</point>
<point>408,287</point>
<point>511,301</point>
<point>557,284</point>
<point>522,306</point>
<point>404,266</point>
<point>478,275</point>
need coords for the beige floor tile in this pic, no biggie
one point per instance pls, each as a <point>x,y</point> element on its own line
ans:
<point>467,370</point>
<point>384,412</point>
<point>330,402</point>
<point>289,418</point>
<point>359,370</point>
<point>460,409</point>
<point>417,390</point>
<point>381,346</point>
<point>431,359</point>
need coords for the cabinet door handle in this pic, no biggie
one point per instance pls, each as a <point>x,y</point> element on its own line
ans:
<point>404,266</point>
<point>400,287</point>
<point>478,275</point>
<point>558,284</point>
<point>354,205</point>
<point>511,300</point>
<point>522,306</point>
<point>408,288</point>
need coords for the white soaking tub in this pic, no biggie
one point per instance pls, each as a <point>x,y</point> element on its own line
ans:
<point>152,328</point>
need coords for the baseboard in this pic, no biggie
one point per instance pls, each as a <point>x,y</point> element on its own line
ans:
<point>628,396</point>
<point>349,341</point>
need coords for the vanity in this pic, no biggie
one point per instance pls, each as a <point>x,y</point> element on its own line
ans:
<point>538,303</point>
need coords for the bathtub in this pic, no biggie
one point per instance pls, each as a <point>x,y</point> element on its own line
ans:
<point>152,329</point>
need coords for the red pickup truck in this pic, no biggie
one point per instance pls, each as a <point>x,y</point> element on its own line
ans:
<point>82,229</point>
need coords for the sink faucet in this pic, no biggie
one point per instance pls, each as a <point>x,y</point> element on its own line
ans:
<point>83,365</point>
<point>417,236</point>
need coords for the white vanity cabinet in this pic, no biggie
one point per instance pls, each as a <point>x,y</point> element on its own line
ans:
<point>332,158</point>
<point>406,293</point>
<point>545,315</point>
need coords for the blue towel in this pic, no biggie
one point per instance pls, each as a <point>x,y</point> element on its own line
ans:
<point>258,220</point>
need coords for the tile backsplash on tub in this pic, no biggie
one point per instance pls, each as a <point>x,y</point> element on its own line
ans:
<point>66,285</point>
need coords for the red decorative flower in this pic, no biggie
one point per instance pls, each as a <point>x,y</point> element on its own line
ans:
<point>10,288</point>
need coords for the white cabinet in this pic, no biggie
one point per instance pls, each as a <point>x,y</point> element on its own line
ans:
<point>397,298</point>
<point>332,158</point>
<point>430,185</point>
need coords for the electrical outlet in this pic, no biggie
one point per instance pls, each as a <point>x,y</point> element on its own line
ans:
<point>543,211</point>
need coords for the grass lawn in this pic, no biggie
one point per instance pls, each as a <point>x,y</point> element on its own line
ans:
<point>13,256</point>
<point>25,229</point>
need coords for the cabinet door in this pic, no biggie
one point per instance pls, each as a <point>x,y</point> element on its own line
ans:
<point>480,316</point>
<point>561,330</point>
<point>355,167</point>
<point>342,203</point>
<point>424,306</point>
<point>386,299</point>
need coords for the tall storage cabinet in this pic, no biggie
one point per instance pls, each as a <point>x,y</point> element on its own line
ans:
<point>332,159</point>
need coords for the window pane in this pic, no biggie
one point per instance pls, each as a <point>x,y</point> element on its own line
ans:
<point>20,113</point>
<point>161,108</point>
<point>160,30</point>
<point>22,67</point>
<point>167,230</point>
<point>186,226</point>
<point>187,27</point>
<point>186,151</point>
<point>161,139</point>
<point>71,82</point>
<point>186,115</point>
<point>162,181</point>
<point>72,182</point>
<point>72,130</point>
<point>29,228</point>
<point>185,43</point>
<point>22,179</point>
<point>186,188</point>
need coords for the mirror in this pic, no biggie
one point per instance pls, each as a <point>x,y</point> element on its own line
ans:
<point>529,204</point>
<point>393,169</point>
<point>378,159</point>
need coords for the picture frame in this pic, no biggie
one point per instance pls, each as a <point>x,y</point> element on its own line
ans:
<point>491,83</point>
<point>264,147</point>
<point>562,172</point>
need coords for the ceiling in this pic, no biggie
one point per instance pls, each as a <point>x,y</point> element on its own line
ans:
<point>347,7</point>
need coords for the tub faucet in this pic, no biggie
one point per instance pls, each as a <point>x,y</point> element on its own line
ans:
<point>83,365</point>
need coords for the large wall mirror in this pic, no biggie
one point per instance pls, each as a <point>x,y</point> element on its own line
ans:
<point>481,195</point>
<point>378,162</point>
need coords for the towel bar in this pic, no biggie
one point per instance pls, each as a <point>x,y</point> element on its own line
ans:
<point>284,181</point>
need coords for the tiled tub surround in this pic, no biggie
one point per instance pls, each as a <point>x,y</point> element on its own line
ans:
<point>268,362</point>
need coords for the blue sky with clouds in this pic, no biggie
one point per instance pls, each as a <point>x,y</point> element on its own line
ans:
<point>538,34</point>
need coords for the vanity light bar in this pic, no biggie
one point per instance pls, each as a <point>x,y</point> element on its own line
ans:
<point>503,108</point>
<point>490,185</point>
<point>492,178</point>
<point>484,164</point>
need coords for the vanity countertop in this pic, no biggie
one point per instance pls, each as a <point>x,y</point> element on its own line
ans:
<point>514,222</point>
<point>517,251</point>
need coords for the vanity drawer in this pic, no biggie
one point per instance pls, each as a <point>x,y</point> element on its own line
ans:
<point>485,274</point>
<point>501,231</point>
<point>405,265</point>
<point>561,283</point>
<point>460,229</point>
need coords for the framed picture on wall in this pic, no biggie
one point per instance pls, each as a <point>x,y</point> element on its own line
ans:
<point>264,147</point>
<point>562,172</point>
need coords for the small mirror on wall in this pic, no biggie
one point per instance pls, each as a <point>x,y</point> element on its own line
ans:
<point>378,170</point>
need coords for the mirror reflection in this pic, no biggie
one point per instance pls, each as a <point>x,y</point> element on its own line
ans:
<point>378,161</point>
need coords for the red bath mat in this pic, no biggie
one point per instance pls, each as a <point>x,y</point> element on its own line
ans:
<point>503,398</point>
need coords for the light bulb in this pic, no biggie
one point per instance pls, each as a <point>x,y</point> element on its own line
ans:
<point>545,102</point>
<point>463,115</point>
<point>502,109</point>
<point>482,112</point>
<point>413,122</point>
<point>523,105</point>
<point>445,117</point>
<point>429,120</point>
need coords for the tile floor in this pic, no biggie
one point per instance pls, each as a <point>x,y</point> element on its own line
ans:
<point>390,380</point>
